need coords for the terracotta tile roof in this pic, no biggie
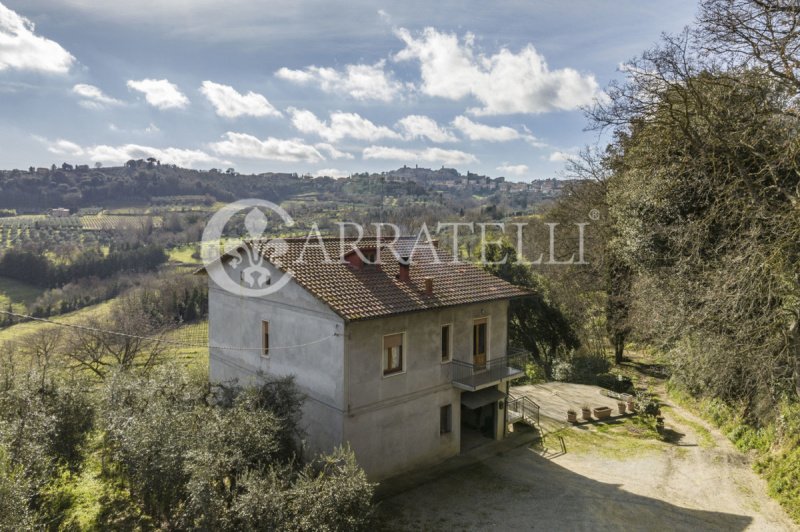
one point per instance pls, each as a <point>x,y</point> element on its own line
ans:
<point>375,291</point>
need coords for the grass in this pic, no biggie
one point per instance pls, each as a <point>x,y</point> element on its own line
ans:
<point>184,254</point>
<point>192,357</point>
<point>18,332</point>
<point>618,439</point>
<point>19,294</point>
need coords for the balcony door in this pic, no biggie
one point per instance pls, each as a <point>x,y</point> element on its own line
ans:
<point>479,328</point>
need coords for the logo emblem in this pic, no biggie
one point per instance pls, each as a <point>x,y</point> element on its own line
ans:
<point>245,272</point>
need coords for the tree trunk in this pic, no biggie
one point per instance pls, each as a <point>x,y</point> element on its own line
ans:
<point>619,348</point>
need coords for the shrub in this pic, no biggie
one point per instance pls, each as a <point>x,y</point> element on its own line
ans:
<point>647,404</point>
<point>534,374</point>
<point>586,366</point>
<point>562,371</point>
<point>615,382</point>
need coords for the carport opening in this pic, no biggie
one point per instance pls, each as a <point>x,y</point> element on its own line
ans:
<point>478,422</point>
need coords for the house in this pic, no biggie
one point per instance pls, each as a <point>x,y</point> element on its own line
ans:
<point>406,361</point>
<point>60,212</point>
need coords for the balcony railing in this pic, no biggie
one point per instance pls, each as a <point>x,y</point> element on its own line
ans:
<point>472,377</point>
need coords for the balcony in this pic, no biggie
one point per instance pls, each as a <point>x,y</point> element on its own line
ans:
<point>473,377</point>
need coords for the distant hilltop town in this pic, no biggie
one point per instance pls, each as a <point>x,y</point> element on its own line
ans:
<point>146,181</point>
<point>451,179</point>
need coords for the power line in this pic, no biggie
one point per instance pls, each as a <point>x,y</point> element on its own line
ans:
<point>159,339</point>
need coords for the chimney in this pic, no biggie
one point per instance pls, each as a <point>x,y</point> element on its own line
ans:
<point>429,286</point>
<point>404,275</point>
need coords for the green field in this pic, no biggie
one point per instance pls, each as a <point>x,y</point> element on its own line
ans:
<point>17,293</point>
<point>184,254</point>
<point>18,332</point>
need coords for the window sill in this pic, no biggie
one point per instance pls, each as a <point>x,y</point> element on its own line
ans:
<point>394,373</point>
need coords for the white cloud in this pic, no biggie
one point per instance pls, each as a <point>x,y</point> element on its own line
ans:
<point>94,98</point>
<point>504,83</point>
<point>560,156</point>
<point>419,126</point>
<point>514,169</point>
<point>330,172</point>
<point>475,131</point>
<point>361,82</point>
<point>342,125</point>
<point>125,152</point>
<point>430,155</point>
<point>249,147</point>
<point>65,147</point>
<point>160,93</point>
<point>332,151</point>
<point>181,157</point>
<point>21,49</point>
<point>229,103</point>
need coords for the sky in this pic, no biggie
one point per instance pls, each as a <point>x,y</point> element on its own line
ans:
<point>315,87</point>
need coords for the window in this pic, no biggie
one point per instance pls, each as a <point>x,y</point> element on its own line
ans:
<point>392,353</point>
<point>265,338</point>
<point>445,343</point>
<point>445,419</point>
<point>479,343</point>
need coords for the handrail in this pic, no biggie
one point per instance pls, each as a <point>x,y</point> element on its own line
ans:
<point>494,369</point>
<point>525,406</point>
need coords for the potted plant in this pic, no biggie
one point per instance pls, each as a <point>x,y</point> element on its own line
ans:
<point>621,406</point>
<point>586,413</point>
<point>631,405</point>
<point>572,416</point>
<point>602,412</point>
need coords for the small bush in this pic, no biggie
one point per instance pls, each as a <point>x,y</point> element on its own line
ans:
<point>615,382</point>
<point>534,374</point>
<point>562,371</point>
<point>586,367</point>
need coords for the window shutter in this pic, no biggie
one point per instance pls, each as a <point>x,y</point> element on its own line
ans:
<point>393,340</point>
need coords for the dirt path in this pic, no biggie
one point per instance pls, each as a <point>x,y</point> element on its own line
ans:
<point>606,480</point>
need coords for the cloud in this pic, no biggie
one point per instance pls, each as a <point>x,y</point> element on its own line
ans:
<point>431,155</point>
<point>21,49</point>
<point>504,83</point>
<point>419,126</point>
<point>125,152</point>
<point>330,172</point>
<point>94,98</point>
<point>332,152</point>
<point>560,156</point>
<point>65,147</point>
<point>475,131</point>
<point>361,82</point>
<point>342,125</point>
<point>249,147</point>
<point>514,169</point>
<point>160,93</point>
<point>229,103</point>
<point>178,156</point>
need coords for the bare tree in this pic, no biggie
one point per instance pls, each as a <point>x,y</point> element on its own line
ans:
<point>132,337</point>
<point>755,33</point>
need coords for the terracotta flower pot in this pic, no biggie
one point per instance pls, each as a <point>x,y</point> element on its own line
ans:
<point>631,407</point>
<point>621,406</point>
<point>586,414</point>
<point>572,416</point>
<point>602,412</point>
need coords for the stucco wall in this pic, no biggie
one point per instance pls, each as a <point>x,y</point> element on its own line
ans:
<point>393,421</point>
<point>295,317</point>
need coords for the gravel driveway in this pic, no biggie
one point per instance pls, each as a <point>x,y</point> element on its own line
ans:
<point>605,481</point>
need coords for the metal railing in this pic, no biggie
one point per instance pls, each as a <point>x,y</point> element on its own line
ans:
<point>525,408</point>
<point>472,377</point>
